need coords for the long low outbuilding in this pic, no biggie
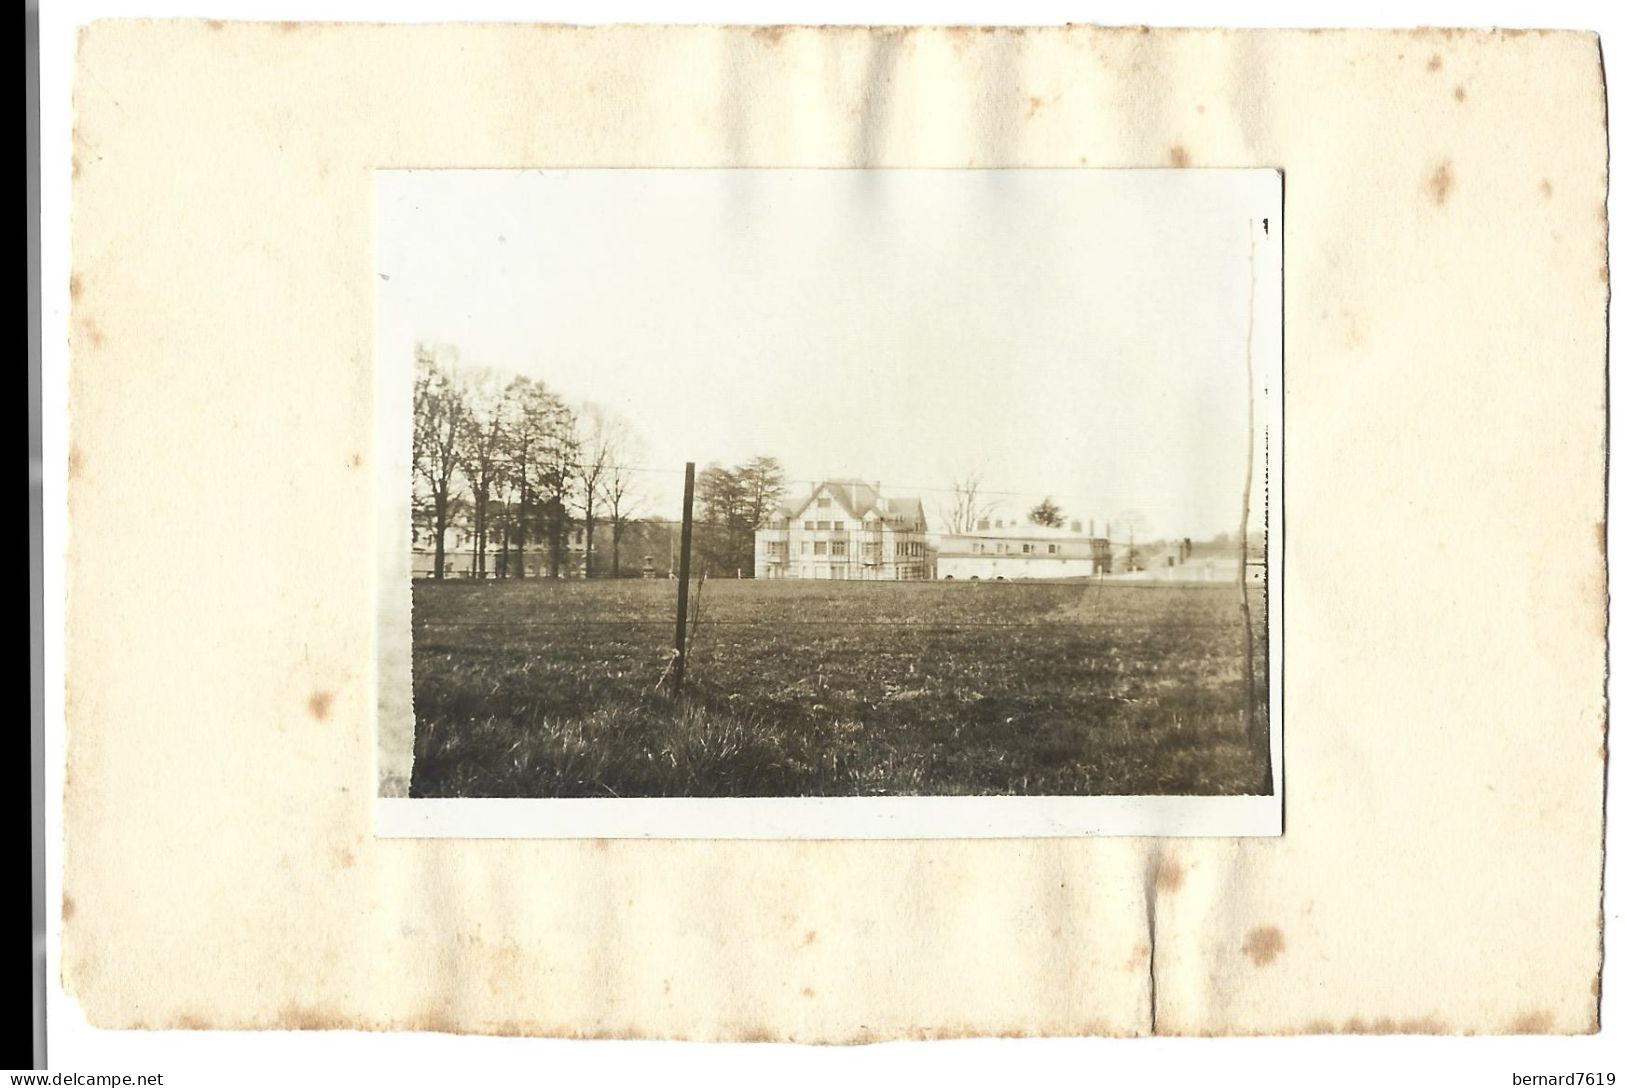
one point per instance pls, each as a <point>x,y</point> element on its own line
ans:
<point>1025,551</point>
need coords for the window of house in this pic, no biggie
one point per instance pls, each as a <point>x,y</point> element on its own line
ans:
<point>823,525</point>
<point>871,551</point>
<point>1026,549</point>
<point>840,526</point>
<point>820,548</point>
<point>1054,549</point>
<point>807,525</point>
<point>823,502</point>
<point>837,547</point>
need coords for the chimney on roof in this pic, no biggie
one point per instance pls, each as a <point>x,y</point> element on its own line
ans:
<point>1077,526</point>
<point>1091,528</point>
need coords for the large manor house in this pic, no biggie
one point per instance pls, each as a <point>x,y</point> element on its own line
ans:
<point>845,529</point>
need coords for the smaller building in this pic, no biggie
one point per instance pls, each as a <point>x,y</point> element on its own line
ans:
<point>998,552</point>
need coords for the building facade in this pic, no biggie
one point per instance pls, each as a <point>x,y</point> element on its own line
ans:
<point>1006,553</point>
<point>845,530</point>
<point>500,564</point>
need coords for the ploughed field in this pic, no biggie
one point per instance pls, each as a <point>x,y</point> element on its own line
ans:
<point>539,688</point>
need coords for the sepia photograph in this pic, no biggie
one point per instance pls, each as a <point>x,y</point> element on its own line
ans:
<point>833,485</point>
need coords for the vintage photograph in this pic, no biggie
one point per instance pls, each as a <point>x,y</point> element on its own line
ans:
<point>842,484</point>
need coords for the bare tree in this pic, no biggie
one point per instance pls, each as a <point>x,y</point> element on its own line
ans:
<point>967,506</point>
<point>485,463</point>
<point>595,452</point>
<point>621,492</point>
<point>439,429</point>
<point>556,475</point>
<point>532,413</point>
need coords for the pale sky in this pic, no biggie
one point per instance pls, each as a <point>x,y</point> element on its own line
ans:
<point>1075,333</point>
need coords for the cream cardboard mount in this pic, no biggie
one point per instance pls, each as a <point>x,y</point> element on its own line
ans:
<point>1444,339</point>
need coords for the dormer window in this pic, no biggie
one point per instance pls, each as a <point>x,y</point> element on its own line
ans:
<point>823,502</point>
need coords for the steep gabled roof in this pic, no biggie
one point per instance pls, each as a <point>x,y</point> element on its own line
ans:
<point>858,499</point>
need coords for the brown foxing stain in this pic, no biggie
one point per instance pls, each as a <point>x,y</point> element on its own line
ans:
<point>308,1018</point>
<point>1200,108</point>
<point>320,704</point>
<point>74,287</point>
<point>1170,876</point>
<point>215,24</point>
<point>1138,957</point>
<point>67,907</point>
<point>1546,188</point>
<point>601,845</point>
<point>76,463</point>
<point>1179,156</point>
<point>288,26</point>
<point>1264,945</point>
<point>355,460</point>
<point>1034,104</point>
<point>807,991</point>
<point>1461,93</point>
<point>344,859</point>
<point>1441,182</point>
<point>93,332</point>
<point>1435,62</point>
<point>75,166</point>
<point>189,1021</point>
<point>772,35</point>
<point>1531,1023</point>
<point>1386,1025</point>
<point>1602,273</point>
<point>810,937</point>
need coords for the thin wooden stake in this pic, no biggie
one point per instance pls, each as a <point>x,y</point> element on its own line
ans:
<point>682,578</point>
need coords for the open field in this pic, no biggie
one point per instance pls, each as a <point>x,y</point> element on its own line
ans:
<point>548,689</point>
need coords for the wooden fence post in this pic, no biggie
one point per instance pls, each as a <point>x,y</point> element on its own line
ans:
<point>682,578</point>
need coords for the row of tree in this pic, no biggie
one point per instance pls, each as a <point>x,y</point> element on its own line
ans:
<point>517,463</point>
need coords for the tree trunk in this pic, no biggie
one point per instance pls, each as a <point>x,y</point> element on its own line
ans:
<point>555,542</point>
<point>519,528</point>
<point>586,569</point>
<point>440,504</point>
<point>614,547</point>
